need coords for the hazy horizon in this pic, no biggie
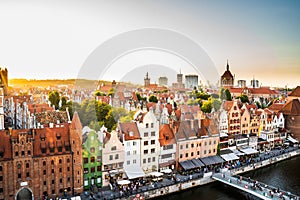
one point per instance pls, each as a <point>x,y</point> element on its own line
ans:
<point>52,40</point>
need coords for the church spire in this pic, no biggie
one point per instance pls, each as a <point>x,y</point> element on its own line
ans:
<point>227,66</point>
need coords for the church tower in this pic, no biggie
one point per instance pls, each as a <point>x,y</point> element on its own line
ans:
<point>227,78</point>
<point>146,81</point>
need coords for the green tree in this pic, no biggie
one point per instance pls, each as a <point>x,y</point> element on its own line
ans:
<point>117,113</point>
<point>222,94</point>
<point>111,92</point>
<point>153,98</point>
<point>99,93</point>
<point>54,98</point>
<point>216,104</point>
<point>244,98</point>
<point>95,125</point>
<point>228,95</point>
<point>206,106</point>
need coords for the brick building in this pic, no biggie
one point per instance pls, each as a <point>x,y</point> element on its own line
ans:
<point>41,162</point>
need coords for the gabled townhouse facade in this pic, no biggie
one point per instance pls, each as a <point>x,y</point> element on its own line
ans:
<point>113,158</point>
<point>148,127</point>
<point>245,120</point>
<point>130,135</point>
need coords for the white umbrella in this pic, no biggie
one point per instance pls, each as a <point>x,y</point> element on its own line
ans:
<point>167,171</point>
<point>123,182</point>
<point>157,174</point>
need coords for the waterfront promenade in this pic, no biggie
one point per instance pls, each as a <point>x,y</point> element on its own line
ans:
<point>182,182</point>
<point>254,187</point>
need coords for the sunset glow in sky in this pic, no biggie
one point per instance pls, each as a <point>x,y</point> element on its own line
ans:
<point>52,39</point>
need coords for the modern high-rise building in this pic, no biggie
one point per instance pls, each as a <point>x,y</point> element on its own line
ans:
<point>163,81</point>
<point>191,81</point>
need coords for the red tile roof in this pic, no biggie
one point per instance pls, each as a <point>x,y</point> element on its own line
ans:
<point>166,135</point>
<point>291,108</point>
<point>295,92</point>
<point>130,131</point>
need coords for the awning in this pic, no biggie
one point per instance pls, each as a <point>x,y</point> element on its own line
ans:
<point>248,151</point>
<point>229,157</point>
<point>134,171</point>
<point>223,135</point>
<point>197,162</point>
<point>187,165</point>
<point>212,160</point>
<point>292,139</point>
<point>237,152</point>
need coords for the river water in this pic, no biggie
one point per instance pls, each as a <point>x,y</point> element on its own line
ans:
<point>284,175</point>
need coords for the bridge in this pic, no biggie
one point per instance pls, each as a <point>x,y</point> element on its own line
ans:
<point>253,187</point>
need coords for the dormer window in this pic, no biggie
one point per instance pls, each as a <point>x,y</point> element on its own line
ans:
<point>167,137</point>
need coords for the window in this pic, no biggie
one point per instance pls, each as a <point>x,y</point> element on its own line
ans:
<point>92,159</point>
<point>45,183</point>
<point>60,161</point>
<point>68,169</point>
<point>85,160</point>
<point>192,154</point>
<point>85,170</point>
<point>52,171</point>
<point>29,152</point>
<point>204,151</point>
<point>186,155</point>
<point>144,160</point>
<point>180,156</point>
<point>52,182</point>
<point>192,145</point>
<point>44,172</point>
<point>153,150</point>
<point>60,170</point>
<point>44,163</point>
<point>147,125</point>
<point>134,152</point>
<point>152,142</point>
<point>187,146</point>
<point>114,148</point>
<point>145,143</point>
<point>209,142</point>
<point>117,156</point>
<point>128,162</point>
<point>111,157</point>
<point>134,143</point>
<point>60,180</point>
<point>146,134</point>
<point>52,162</point>
<point>99,168</point>
<point>1,178</point>
<point>134,161</point>
<point>128,153</point>
<point>92,169</point>
<point>27,174</point>
<point>153,159</point>
<point>23,153</point>
<point>149,160</point>
<point>145,151</point>
<point>1,168</point>
<point>92,149</point>
<point>99,159</point>
<point>167,137</point>
<point>181,146</point>
<point>68,160</point>
<point>27,165</point>
<point>16,153</point>
<point>19,175</point>
<point>152,125</point>
<point>205,143</point>
<point>153,133</point>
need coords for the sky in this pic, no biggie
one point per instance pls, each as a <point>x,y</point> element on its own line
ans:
<point>55,39</point>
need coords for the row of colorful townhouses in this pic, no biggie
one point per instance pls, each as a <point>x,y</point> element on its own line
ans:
<point>165,137</point>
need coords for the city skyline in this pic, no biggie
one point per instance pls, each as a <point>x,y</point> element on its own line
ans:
<point>42,40</point>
